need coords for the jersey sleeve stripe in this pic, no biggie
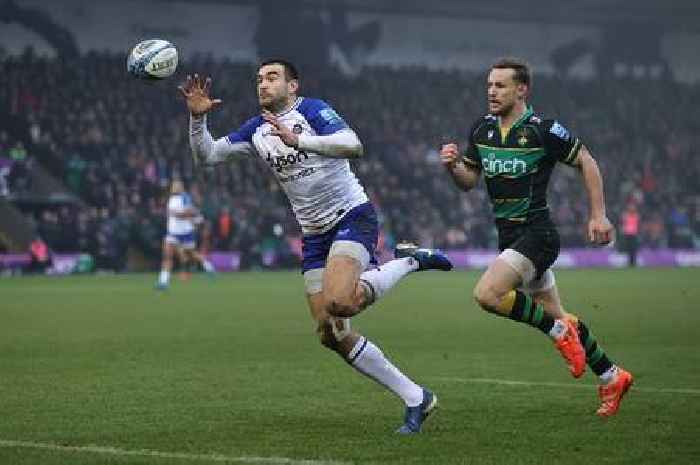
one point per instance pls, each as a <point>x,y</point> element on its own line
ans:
<point>571,157</point>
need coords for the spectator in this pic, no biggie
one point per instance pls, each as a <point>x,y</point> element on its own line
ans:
<point>630,233</point>
<point>40,256</point>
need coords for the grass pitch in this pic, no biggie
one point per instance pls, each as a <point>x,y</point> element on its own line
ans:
<point>103,369</point>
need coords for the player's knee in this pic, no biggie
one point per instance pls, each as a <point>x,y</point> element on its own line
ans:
<point>487,297</point>
<point>342,307</point>
<point>364,296</point>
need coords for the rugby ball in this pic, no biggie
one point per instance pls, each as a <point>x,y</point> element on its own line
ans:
<point>152,59</point>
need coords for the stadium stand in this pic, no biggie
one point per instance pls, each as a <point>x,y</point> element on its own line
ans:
<point>98,134</point>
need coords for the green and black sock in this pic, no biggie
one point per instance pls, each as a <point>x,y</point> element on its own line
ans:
<point>527,311</point>
<point>596,358</point>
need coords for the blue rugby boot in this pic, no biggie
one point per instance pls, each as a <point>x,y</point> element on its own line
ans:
<point>415,416</point>
<point>428,259</point>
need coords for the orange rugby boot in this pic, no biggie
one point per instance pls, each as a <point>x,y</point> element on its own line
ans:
<point>611,394</point>
<point>569,346</point>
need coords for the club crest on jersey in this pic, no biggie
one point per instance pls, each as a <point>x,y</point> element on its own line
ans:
<point>490,134</point>
<point>522,137</point>
<point>297,129</point>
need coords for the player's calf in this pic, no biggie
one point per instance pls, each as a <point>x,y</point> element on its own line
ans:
<point>325,335</point>
<point>332,331</point>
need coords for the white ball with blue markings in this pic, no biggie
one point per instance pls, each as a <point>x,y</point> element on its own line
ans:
<point>152,59</point>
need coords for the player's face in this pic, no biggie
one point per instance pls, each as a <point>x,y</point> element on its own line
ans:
<point>274,90</point>
<point>503,91</point>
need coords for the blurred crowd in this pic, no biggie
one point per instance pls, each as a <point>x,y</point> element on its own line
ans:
<point>117,142</point>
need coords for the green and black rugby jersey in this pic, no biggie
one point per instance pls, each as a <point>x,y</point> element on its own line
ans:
<point>517,164</point>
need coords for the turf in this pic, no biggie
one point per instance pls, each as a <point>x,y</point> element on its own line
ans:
<point>232,367</point>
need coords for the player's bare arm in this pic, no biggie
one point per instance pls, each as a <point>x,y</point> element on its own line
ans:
<point>342,144</point>
<point>465,177</point>
<point>600,229</point>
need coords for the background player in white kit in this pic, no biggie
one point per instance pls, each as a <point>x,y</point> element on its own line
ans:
<point>307,144</point>
<point>180,238</point>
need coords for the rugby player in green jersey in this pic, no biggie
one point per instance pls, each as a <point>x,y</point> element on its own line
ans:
<point>516,151</point>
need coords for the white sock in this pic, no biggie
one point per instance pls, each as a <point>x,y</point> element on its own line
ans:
<point>385,277</point>
<point>369,360</point>
<point>164,277</point>
<point>206,264</point>
<point>609,375</point>
<point>558,330</point>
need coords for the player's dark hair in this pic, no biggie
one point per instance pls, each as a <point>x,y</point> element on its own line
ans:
<point>522,74</point>
<point>290,71</point>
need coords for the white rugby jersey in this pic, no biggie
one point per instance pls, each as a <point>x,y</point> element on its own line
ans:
<point>179,203</point>
<point>320,189</point>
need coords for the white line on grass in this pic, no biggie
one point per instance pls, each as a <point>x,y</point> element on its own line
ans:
<point>506,382</point>
<point>168,455</point>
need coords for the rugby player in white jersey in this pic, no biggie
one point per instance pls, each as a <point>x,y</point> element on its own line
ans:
<point>307,146</point>
<point>182,216</point>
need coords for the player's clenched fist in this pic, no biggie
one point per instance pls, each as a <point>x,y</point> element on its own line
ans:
<point>600,231</point>
<point>449,155</point>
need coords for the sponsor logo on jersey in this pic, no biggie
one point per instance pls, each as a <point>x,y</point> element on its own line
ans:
<point>301,174</point>
<point>560,131</point>
<point>511,166</point>
<point>279,162</point>
<point>490,134</point>
<point>330,116</point>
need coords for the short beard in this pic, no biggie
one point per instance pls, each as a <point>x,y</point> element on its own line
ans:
<point>276,105</point>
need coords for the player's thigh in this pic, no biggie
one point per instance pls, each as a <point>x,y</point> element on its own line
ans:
<point>498,279</point>
<point>545,292</point>
<point>534,252</point>
<point>340,279</point>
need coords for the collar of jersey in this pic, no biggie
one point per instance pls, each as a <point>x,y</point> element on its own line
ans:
<point>294,106</point>
<point>528,112</point>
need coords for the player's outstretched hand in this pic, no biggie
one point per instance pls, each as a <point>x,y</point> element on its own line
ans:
<point>600,231</point>
<point>280,130</point>
<point>196,95</point>
<point>449,155</point>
